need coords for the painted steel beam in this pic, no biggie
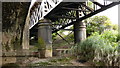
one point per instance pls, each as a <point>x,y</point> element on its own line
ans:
<point>89,15</point>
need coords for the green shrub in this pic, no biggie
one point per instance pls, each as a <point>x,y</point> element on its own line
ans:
<point>112,36</point>
<point>118,37</point>
<point>99,50</point>
<point>41,43</point>
<point>92,45</point>
<point>118,47</point>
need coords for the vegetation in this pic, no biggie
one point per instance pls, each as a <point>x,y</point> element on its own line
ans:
<point>94,24</point>
<point>41,43</point>
<point>98,24</point>
<point>102,45</point>
<point>13,21</point>
<point>65,61</point>
<point>41,47</point>
<point>101,49</point>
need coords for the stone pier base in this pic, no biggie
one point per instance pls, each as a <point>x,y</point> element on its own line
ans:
<point>79,32</point>
<point>45,32</point>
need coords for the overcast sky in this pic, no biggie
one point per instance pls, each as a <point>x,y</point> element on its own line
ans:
<point>111,13</point>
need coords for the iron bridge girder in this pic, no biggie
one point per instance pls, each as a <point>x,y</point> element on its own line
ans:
<point>64,13</point>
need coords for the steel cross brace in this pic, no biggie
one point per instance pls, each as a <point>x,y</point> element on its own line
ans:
<point>88,15</point>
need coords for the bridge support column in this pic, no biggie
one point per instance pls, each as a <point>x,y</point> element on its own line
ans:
<point>45,32</point>
<point>79,31</point>
<point>25,40</point>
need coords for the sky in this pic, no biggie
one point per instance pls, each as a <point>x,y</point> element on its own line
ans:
<point>111,13</point>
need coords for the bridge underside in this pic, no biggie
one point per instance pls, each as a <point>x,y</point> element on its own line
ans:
<point>67,14</point>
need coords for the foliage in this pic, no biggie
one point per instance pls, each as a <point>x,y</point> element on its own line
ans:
<point>97,24</point>
<point>41,43</point>
<point>118,38</point>
<point>101,19</point>
<point>69,37</point>
<point>110,35</point>
<point>90,4</point>
<point>118,47</point>
<point>115,27</point>
<point>100,49</point>
<point>63,61</point>
<point>11,13</point>
<point>41,47</point>
<point>88,47</point>
<point>54,35</point>
<point>13,21</point>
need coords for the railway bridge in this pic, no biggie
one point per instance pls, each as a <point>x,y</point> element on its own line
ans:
<point>50,16</point>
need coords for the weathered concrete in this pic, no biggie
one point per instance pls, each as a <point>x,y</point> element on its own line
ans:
<point>79,32</point>
<point>79,29</point>
<point>25,41</point>
<point>45,32</point>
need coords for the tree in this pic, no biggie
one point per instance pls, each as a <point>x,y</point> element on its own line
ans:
<point>97,24</point>
<point>13,21</point>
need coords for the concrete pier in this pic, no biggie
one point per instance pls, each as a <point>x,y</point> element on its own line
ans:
<point>45,32</point>
<point>79,32</point>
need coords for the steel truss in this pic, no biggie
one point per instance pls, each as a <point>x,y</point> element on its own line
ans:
<point>63,14</point>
